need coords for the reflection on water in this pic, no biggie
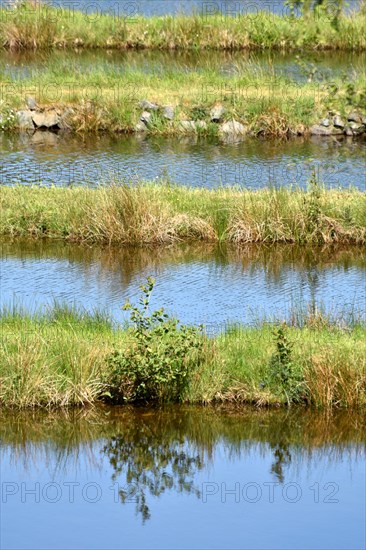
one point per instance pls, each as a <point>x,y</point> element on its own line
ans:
<point>50,159</point>
<point>200,284</point>
<point>24,65</point>
<point>217,471</point>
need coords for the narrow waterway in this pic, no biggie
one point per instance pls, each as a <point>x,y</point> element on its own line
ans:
<point>46,158</point>
<point>183,477</point>
<point>317,66</point>
<point>210,285</point>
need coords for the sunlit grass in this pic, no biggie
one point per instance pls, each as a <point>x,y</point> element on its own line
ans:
<point>32,26</point>
<point>160,213</point>
<point>60,358</point>
<point>104,99</point>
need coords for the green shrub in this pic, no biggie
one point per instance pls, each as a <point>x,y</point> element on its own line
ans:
<point>284,377</point>
<point>160,358</point>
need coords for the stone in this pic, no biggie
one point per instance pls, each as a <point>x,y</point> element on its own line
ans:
<point>148,106</point>
<point>145,117</point>
<point>168,112</point>
<point>363,120</point>
<point>233,127</point>
<point>357,129</point>
<point>47,119</point>
<point>338,122</point>
<point>64,118</point>
<point>25,120</point>
<point>31,103</point>
<point>354,117</point>
<point>217,113</point>
<point>348,131</point>
<point>325,122</point>
<point>319,130</point>
<point>201,125</point>
<point>140,127</point>
<point>337,131</point>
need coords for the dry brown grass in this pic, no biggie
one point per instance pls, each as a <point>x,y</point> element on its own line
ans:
<point>272,124</point>
<point>124,215</point>
<point>161,214</point>
<point>187,227</point>
<point>334,379</point>
<point>283,216</point>
<point>50,368</point>
<point>243,393</point>
<point>28,33</point>
<point>332,231</point>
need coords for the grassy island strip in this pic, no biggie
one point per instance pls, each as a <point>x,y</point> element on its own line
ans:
<point>66,358</point>
<point>31,25</point>
<point>107,98</point>
<point>162,213</point>
<point>104,99</point>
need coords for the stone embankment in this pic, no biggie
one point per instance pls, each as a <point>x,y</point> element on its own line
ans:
<point>354,124</point>
<point>216,120</point>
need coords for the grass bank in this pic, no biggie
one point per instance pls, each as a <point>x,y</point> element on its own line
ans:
<point>164,213</point>
<point>68,358</point>
<point>106,98</point>
<point>32,25</point>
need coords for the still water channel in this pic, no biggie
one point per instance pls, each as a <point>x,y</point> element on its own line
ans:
<point>204,284</point>
<point>50,159</point>
<point>183,477</point>
<point>318,66</point>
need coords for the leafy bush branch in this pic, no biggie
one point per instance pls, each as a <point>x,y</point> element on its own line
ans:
<point>161,357</point>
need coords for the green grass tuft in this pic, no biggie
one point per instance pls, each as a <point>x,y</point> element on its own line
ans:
<point>151,213</point>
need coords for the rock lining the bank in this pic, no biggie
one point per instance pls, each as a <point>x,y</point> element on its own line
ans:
<point>335,125</point>
<point>34,117</point>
